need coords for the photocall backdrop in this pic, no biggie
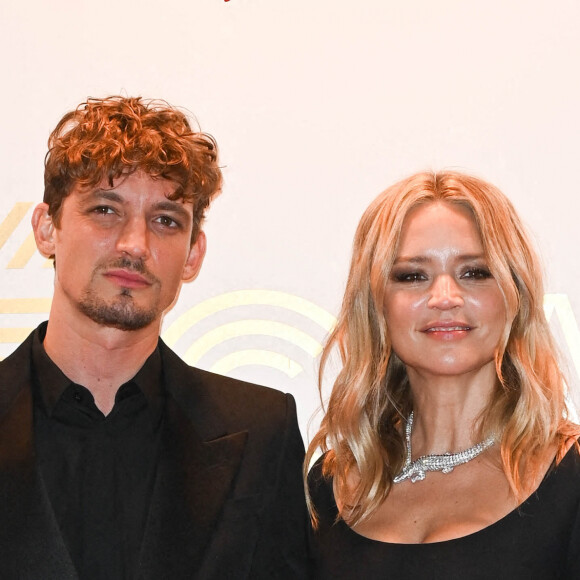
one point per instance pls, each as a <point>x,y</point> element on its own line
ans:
<point>317,107</point>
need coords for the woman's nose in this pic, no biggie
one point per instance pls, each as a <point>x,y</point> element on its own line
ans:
<point>445,293</point>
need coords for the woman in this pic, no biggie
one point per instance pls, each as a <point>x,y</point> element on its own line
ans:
<point>447,452</point>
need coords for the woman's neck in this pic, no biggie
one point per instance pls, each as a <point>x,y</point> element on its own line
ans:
<point>447,409</point>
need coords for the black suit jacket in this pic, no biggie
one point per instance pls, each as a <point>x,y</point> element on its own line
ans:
<point>227,502</point>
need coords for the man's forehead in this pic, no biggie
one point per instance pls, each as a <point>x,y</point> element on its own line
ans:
<point>130,184</point>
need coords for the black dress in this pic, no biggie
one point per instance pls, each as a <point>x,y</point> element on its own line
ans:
<point>538,540</point>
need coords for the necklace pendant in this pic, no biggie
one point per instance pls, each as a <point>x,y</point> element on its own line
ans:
<point>419,476</point>
<point>445,463</point>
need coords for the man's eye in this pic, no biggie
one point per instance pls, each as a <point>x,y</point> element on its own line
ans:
<point>167,221</point>
<point>103,210</point>
<point>476,274</point>
<point>410,277</point>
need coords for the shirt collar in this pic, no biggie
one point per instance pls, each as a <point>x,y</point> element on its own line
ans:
<point>52,382</point>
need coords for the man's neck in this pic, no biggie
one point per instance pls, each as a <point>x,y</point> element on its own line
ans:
<point>97,357</point>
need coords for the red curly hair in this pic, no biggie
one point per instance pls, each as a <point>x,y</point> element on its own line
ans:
<point>117,136</point>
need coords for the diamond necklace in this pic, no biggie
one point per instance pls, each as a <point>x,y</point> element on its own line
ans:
<point>415,470</point>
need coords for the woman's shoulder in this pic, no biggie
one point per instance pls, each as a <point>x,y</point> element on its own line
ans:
<point>560,487</point>
<point>315,471</point>
<point>320,487</point>
<point>317,481</point>
<point>569,464</point>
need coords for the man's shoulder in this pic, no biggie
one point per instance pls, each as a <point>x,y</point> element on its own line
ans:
<point>226,386</point>
<point>17,363</point>
<point>210,394</point>
<point>12,363</point>
<point>15,377</point>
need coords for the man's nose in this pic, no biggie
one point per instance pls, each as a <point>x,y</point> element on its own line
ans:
<point>445,293</point>
<point>133,238</point>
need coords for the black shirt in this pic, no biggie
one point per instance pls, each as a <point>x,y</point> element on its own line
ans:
<point>98,470</point>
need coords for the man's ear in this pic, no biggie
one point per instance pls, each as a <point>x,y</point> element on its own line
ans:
<point>195,258</point>
<point>43,228</point>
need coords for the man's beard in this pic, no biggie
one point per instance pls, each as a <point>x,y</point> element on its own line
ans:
<point>119,312</point>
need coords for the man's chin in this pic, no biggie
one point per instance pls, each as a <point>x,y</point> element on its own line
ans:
<point>123,315</point>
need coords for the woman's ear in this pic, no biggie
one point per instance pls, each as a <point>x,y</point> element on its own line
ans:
<point>43,228</point>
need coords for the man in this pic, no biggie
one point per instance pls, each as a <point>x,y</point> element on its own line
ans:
<point>117,460</point>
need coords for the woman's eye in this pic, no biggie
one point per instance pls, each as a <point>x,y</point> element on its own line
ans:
<point>476,274</point>
<point>410,277</point>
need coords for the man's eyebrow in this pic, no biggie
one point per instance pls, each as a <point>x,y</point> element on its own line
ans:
<point>173,206</point>
<point>108,194</point>
<point>427,259</point>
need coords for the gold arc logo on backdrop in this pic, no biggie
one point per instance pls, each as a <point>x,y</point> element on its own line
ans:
<point>251,327</point>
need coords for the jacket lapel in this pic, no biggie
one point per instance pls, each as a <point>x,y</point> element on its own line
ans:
<point>30,540</point>
<point>195,473</point>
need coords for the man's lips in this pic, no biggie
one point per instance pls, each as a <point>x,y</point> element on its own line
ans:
<point>127,279</point>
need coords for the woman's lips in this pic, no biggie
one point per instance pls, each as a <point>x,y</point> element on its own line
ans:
<point>447,330</point>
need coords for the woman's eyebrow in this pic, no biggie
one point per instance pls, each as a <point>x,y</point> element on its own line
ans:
<point>427,259</point>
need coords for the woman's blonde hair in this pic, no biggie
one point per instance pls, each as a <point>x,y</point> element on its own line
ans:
<point>362,427</point>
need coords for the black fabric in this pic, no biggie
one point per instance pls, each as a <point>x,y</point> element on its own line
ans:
<point>539,540</point>
<point>227,500</point>
<point>98,470</point>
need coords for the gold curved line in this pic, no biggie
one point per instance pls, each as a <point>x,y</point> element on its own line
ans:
<point>25,305</point>
<point>559,304</point>
<point>12,220</point>
<point>258,357</point>
<point>244,298</point>
<point>16,335</point>
<point>24,253</point>
<point>247,328</point>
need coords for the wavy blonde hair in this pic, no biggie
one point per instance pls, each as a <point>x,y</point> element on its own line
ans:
<point>362,426</point>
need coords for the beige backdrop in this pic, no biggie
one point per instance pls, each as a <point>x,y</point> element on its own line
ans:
<point>317,107</point>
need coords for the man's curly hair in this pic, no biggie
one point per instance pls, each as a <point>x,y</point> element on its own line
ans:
<point>106,139</point>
